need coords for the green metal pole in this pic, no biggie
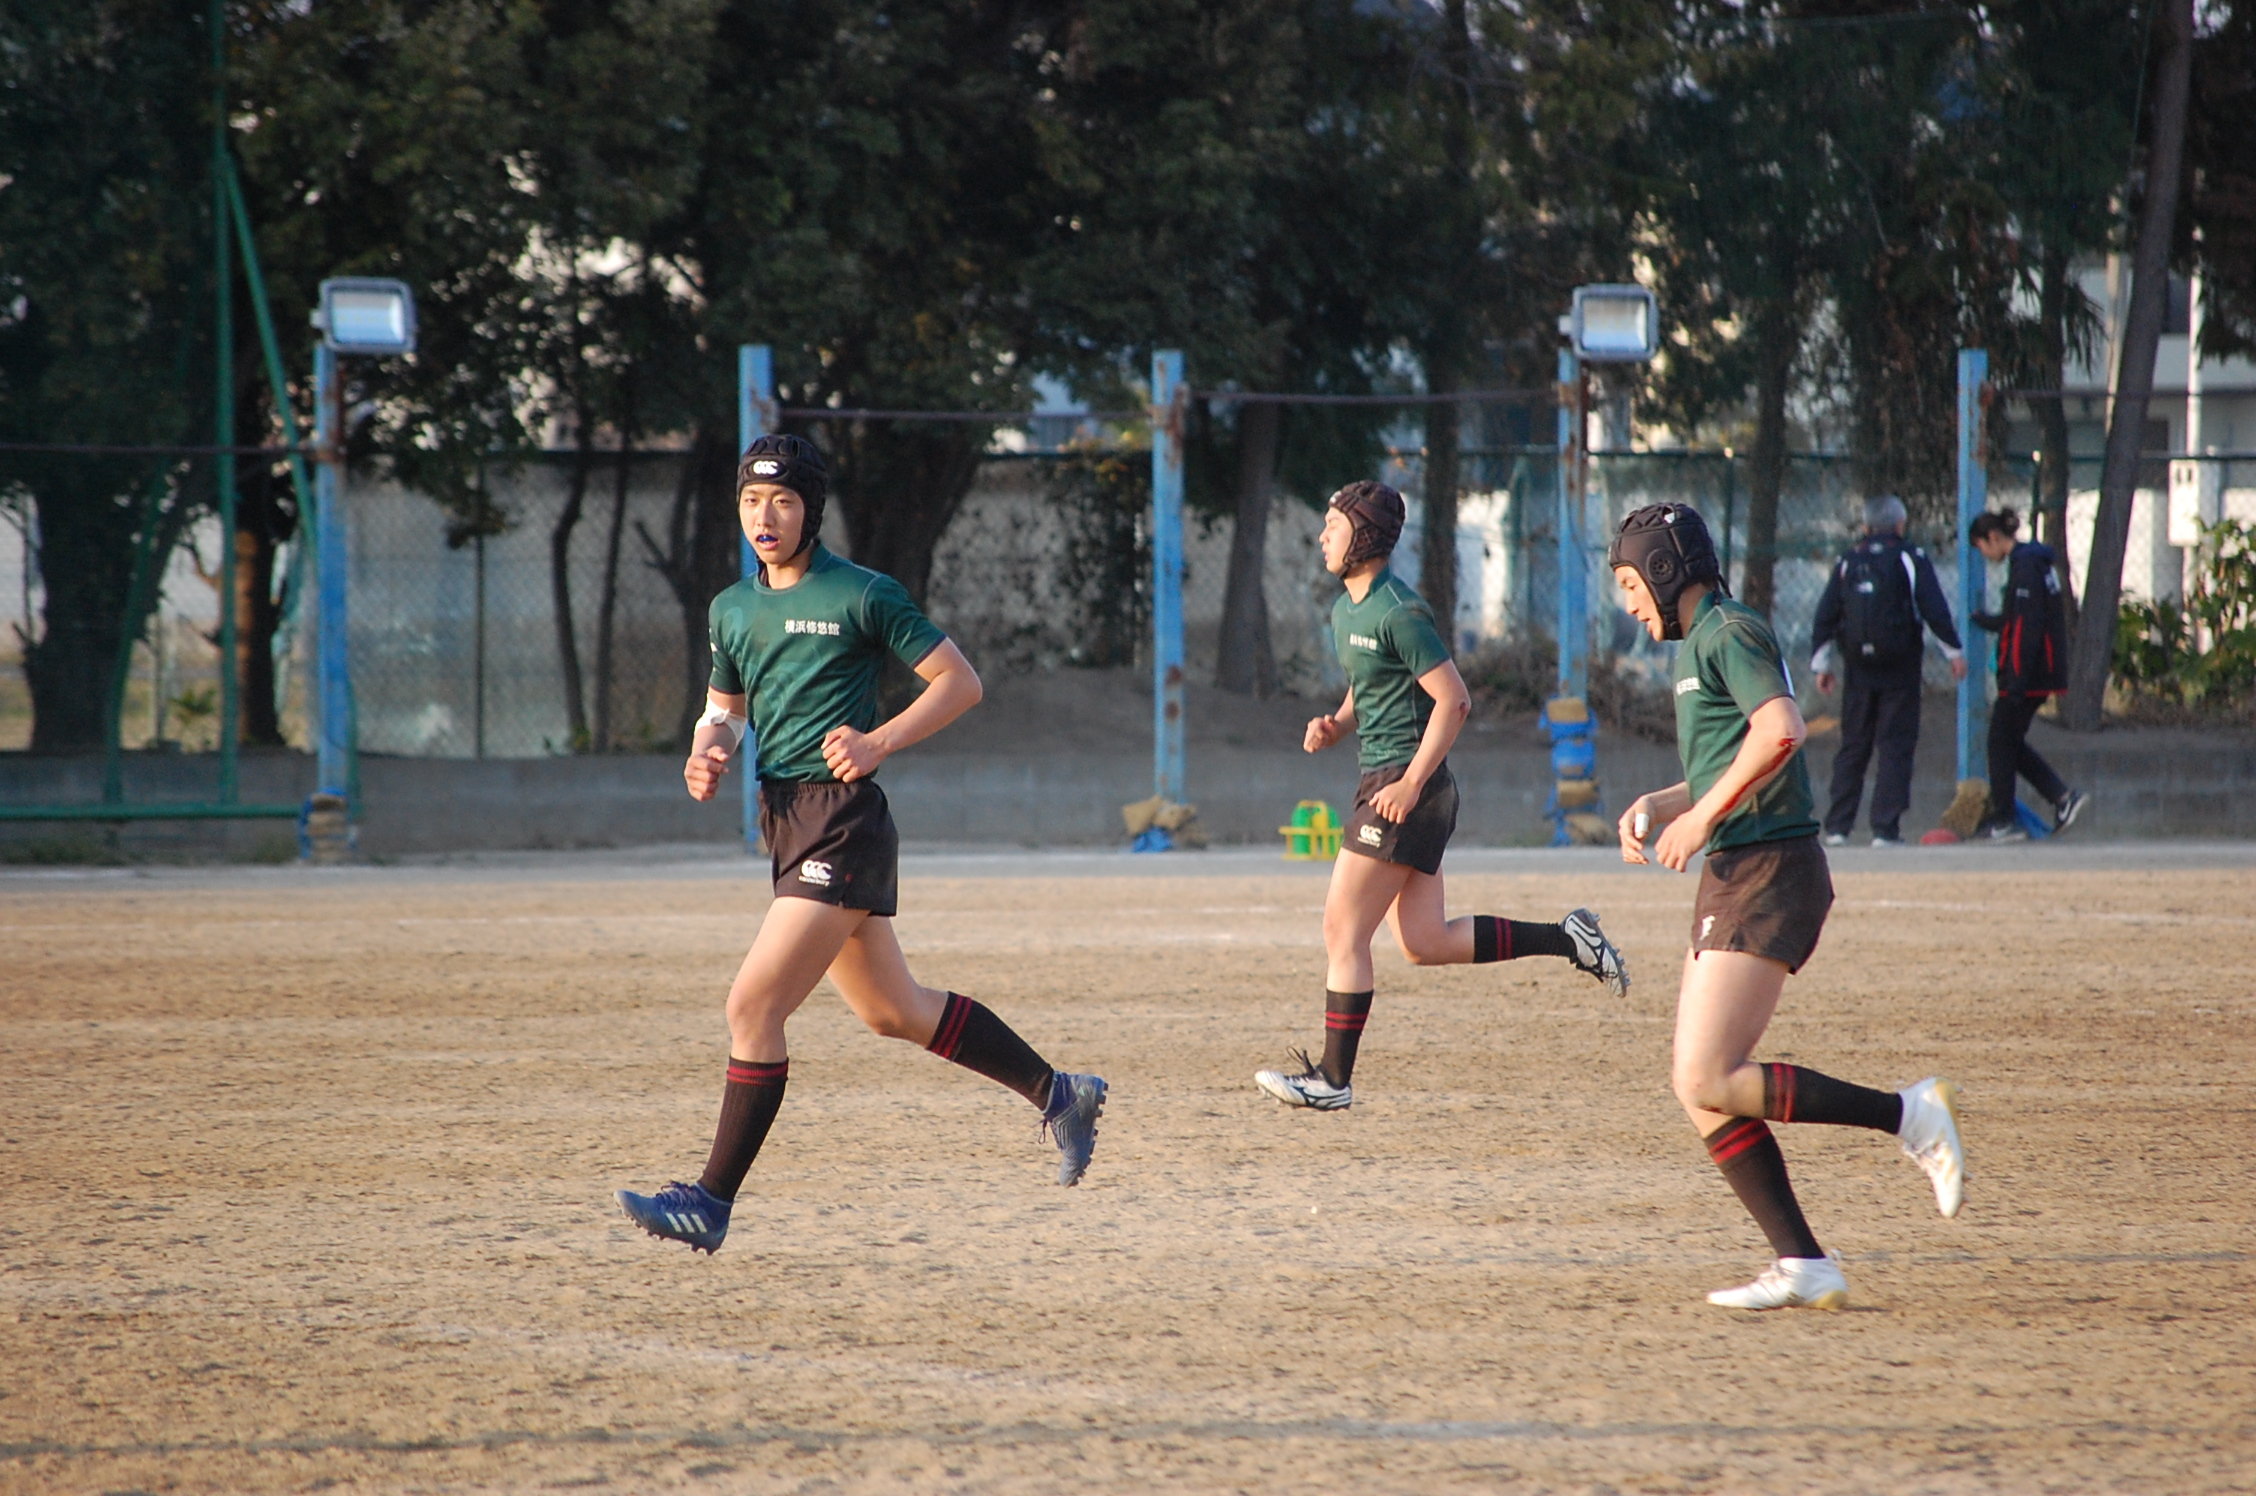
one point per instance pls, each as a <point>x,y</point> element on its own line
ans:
<point>223,410</point>
<point>269,346</point>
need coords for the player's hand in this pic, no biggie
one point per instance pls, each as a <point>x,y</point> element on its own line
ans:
<point>1396,800</point>
<point>1826,682</point>
<point>1322,733</point>
<point>704,771</point>
<point>1682,841</point>
<point>1635,825</point>
<point>1958,668</point>
<point>851,755</point>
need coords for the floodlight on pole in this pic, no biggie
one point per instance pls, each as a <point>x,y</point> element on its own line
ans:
<point>369,318</point>
<point>1615,324</point>
<point>1609,324</point>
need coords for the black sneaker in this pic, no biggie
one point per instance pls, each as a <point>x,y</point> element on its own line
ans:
<point>2071,806</point>
<point>1999,832</point>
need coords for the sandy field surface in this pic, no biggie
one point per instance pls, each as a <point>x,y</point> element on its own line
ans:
<point>308,1186</point>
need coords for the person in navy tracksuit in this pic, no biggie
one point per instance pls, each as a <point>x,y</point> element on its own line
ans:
<point>1873,651</point>
<point>2032,663</point>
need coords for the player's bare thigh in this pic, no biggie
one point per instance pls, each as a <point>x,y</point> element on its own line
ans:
<point>873,976</point>
<point>1361,891</point>
<point>798,941</point>
<point>1723,1008</point>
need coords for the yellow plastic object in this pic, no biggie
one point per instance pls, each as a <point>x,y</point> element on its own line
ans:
<point>1562,711</point>
<point>1313,836</point>
<point>1577,794</point>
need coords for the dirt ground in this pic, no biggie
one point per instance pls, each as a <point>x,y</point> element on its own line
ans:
<point>308,1187</point>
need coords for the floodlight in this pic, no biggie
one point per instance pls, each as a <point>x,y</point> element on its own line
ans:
<point>1615,324</point>
<point>367,316</point>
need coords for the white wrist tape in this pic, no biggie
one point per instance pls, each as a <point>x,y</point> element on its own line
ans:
<point>722,717</point>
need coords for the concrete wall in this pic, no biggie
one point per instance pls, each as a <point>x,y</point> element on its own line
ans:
<point>2149,783</point>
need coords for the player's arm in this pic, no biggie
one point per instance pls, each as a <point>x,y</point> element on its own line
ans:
<point>1647,814</point>
<point>1452,705</point>
<point>719,732</point>
<point>951,689</point>
<point>1775,733</point>
<point>1324,731</point>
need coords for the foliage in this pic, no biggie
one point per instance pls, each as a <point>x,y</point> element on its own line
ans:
<point>1104,494</point>
<point>2200,654</point>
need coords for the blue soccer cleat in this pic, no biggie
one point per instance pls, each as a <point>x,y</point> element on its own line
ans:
<point>1076,1101</point>
<point>680,1212</point>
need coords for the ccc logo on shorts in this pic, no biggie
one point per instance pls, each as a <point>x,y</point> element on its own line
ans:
<point>817,873</point>
<point>1370,836</point>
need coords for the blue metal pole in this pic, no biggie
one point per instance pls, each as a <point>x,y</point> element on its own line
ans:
<point>1574,589</point>
<point>1167,573</point>
<point>332,692</point>
<point>1973,573</point>
<point>755,404</point>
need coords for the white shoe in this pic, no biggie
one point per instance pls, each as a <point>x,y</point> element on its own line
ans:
<point>1887,841</point>
<point>1790,1283</point>
<point>1930,1136</point>
<point>1309,1088</point>
<point>1594,953</point>
<point>1836,838</point>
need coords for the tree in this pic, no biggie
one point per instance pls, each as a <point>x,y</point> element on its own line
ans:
<point>104,313</point>
<point>2093,650</point>
<point>2064,125</point>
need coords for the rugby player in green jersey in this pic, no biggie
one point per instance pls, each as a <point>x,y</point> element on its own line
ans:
<point>1764,892</point>
<point>1398,674</point>
<point>799,648</point>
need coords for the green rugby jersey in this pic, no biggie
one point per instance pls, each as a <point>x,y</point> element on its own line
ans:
<point>1384,643</point>
<point>1727,666</point>
<point>808,656</point>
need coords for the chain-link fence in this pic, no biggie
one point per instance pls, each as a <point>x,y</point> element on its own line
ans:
<point>546,621</point>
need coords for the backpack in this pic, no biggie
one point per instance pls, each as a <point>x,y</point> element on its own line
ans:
<point>1879,623</point>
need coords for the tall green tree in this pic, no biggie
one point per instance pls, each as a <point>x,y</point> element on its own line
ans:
<point>105,319</point>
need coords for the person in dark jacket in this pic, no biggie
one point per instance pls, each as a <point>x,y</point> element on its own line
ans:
<point>2032,663</point>
<point>1869,634</point>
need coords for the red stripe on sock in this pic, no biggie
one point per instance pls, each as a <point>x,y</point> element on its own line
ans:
<point>1734,1138</point>
<point>1782,1085</point>
<point>755,1073</point>
<point>1349,1023</point>
<point>1504,927</point>
<point>950,1033</point>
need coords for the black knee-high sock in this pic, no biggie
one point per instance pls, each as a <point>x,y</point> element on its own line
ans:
<point>1509,939</point>
<point>1793,1094</point>
<point>972,1036</point>
<point>748,1110</point>
<point>1748,1155</point>
<point>1345,1013</point>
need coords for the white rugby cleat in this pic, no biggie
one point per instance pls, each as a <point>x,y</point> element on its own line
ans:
<point>1310,1087</point>
<point>1790,1283</point>
<point>1929,1132</point>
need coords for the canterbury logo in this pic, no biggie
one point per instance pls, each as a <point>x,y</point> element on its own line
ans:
<point>1370,836</point>
<point>1707,923</point>
<point>1362,641</point>
<point>810,626</point>
<point>817,873</point>
<point>767,467</point>
<point>1689,683</point>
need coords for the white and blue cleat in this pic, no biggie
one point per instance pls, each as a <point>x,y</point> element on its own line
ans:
<point>1076,1101</point>
<point>680,1212</point>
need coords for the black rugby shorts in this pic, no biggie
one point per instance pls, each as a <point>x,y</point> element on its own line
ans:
<point>1768,899</point>
<point>834,843</point>
<point>1419,838</point>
